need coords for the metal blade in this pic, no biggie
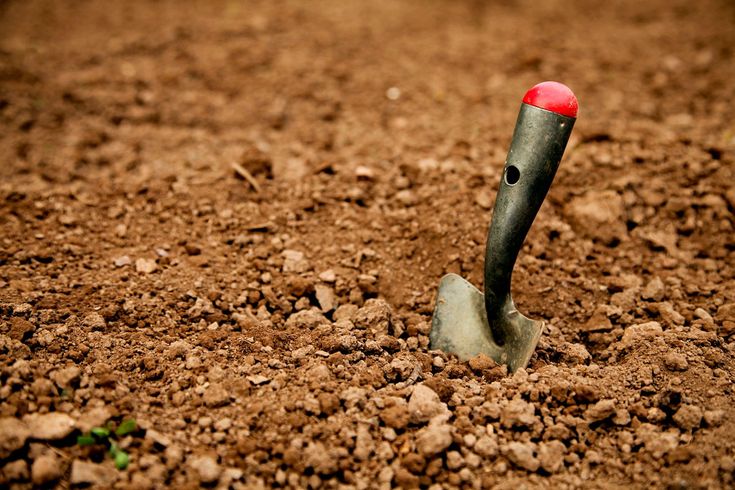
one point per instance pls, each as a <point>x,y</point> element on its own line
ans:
<point>460,326</point>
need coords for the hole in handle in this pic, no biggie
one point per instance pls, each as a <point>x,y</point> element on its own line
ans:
<point>512,175</point>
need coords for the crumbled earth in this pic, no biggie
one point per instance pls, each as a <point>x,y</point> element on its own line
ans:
<point>227,221</point>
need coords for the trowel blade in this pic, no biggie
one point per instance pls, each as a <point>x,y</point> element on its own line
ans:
<point>460,326</point>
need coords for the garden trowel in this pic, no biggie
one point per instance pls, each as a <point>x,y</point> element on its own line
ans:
<point>466,322</point>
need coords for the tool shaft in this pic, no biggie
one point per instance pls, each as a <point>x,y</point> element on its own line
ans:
<point>539,140</point>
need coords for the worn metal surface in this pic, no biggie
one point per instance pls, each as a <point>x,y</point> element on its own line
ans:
<point>465,321</point>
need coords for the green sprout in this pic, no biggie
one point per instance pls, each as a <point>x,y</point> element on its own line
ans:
<point>108,436</point>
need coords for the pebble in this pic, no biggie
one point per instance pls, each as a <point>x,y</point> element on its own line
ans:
<point>669,315</point>
<point>481,362</point>
<point>13,435</point>
<point>654,290</point>
<point>86,473</point>
<point>521,455</point>
<point>45,469</point>
<point>486,446</point>
<point>376,315</point>
<point>294,261</point>
<point>434,439</point>
<point>714,418</point>
<point>95,417</point>
<point>145,266</point>
<point>598,215</point>
<point>600,411</point>
<point>15,471</point>
<point>688,417</point>
<point>206,468</point>
<point>122,261</point>
<point>258,379</point>
<point>216,396</point>
<point>655,442</point>
<point>94,321</point>
<point>518,413</point>
<point>20,329</point>
<point>551,455</point>
<point>317,456</point>
<point>51,426</point>
<point>642,331</point>
<point>675,361</point>
<point>328,276</point>
<point>65,378</point>
<point>424,404</point>
<point>325,297</point>
<point>306,319</point>
<point>396,416</point>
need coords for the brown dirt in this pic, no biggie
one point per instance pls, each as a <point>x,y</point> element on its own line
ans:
<point>141,277</point>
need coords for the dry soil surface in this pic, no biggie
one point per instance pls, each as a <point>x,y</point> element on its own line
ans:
<point>273,331</point>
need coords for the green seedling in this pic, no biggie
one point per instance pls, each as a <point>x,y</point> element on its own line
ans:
<point>108,436</point>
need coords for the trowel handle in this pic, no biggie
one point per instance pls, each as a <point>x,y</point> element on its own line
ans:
<point>540,136</point>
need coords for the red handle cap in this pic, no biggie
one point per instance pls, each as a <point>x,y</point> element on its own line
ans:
<point>553,96</point>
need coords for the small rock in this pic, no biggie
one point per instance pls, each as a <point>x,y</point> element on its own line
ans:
<point>600,411</point>
<point>654,290</point>
<point>424,404</point>
<point>714,418</point>
<point>145,266</point>
<point>656,442</point>
<point>95,417</point>
<point>434,439</point>
<point>364,443</point>
<point>675,361</point>
<point>13,435</point>
<point>306,320</point>
<point>15,471</point>
<point>598,215</point>
<point>622,417</point>
<point>317,456</point>
<point>364,173</point>
<point>122,261</point>
<point>294,261</point>
<point>51,426</point>
<point>325,297</point>
<point>345,312</point>
<point>706,318</point>
<point>94,321</point>
<point>669,315</point>
<point>396,415</point>
<point>258,379</point>
<point>216,396</point>
<point>86,473</point>
<point>46,469</point>
<point>481,362</point>
<point>206,468</point>
<point>157,438</point>
<point>521,455</point>
<point>376,315</point>
<point>551,455</point>
<point>486,446</point>
<point>328,276</point>
<point>643,331</point>
<point>65,378</point>
<point>726,312</point>
<point>400,368</point>
<point>573,354</point>
<point>518,413</point>
<point>483,199</point>
<point>20,329</point>
<point>688,417</point>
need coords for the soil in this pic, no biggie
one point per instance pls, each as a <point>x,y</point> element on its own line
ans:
<point>228,220</point>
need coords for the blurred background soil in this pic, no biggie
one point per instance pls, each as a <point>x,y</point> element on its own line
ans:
<point>228,219</point>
